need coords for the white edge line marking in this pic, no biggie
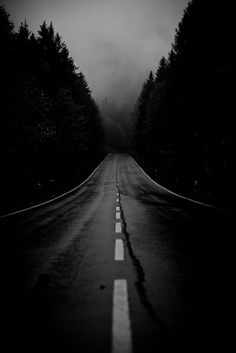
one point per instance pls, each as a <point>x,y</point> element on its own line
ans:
<point>117,215</point>
<point>171,192</point>
<point>121,327</point>
<point>117,208</point>
<point>119,250</point>
<point>55,198</point>
<point>118,227</point>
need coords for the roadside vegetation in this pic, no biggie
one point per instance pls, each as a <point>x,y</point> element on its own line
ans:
<point>181,131</point>
<point>185,114</point>
<point>51,134</point>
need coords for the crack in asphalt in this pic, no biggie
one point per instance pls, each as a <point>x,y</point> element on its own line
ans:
<point>139,283</point>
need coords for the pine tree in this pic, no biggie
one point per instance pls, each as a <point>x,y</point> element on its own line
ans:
<point>50,119</point>
<point>189,113</point>
<point>7,40</point>
<point>141,112</point>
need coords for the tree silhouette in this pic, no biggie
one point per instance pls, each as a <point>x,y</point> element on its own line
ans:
<point>50,122</point>
<point>141,112</point>
<point>188,133</point>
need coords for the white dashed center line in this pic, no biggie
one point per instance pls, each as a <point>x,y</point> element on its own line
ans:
<point>121,330</point>
<point>118,227</point>
<point>117,215</point>
<point>119,250</point>
<point>121,327</point>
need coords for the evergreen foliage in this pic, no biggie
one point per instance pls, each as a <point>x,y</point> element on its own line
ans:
<point>185,132</point>
<point>49,120</point>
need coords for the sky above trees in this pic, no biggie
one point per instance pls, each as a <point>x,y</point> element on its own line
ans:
<point>114,42</point>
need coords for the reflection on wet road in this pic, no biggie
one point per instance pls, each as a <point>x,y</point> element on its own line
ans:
<point>119,265</point>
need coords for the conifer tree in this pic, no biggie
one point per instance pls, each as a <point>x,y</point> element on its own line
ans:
<point>189,116</point>
<point>141,112</point>
<point>49,118</point>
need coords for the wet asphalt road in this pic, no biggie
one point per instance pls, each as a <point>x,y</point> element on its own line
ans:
<point>59,268</point>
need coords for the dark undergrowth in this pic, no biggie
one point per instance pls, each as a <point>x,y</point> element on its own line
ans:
<point>22,188</point>
<point>219,195</point>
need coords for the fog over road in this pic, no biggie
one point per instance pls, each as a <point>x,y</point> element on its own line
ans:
<point>120,265</point>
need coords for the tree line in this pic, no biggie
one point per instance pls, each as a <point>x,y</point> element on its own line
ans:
<point>185,112</point>
<point>50,124</point>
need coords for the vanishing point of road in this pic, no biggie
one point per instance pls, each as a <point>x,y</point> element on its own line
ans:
<point>118,265</point>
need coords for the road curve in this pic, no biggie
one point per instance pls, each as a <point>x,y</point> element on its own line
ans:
<point>119,266</point>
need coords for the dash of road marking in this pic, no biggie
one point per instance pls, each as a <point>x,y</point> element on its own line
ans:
<point>119,250</point>
<point>117,200</point>
<point>118,208</point>
<point>118,227</point>
<point>117,215</point>
<point>121,328</point>
<point>117,194</point>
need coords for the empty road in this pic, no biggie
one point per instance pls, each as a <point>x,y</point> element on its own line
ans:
<point>119,265</point>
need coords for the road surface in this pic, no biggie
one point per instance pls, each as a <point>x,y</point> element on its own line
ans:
<point>118,266</point>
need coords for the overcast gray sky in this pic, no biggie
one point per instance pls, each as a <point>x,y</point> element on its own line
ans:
<point>114,42</point>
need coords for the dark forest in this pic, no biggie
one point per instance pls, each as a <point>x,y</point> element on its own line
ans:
<point>51,129</point>
<point>53,133</point>
<point>185,135</point>
<point>117,213</point>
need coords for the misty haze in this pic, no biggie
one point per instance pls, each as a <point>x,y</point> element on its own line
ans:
<point>118,175</point>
